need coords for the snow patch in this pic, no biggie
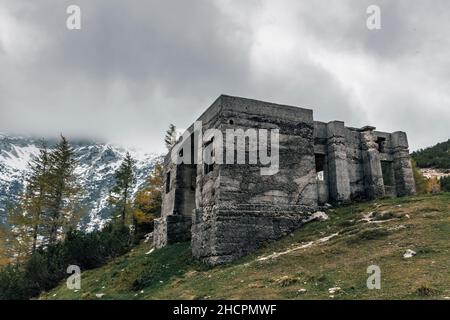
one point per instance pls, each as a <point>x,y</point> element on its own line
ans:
<point>334,290</point>
<point>316,216</point>
<point>303,246</point>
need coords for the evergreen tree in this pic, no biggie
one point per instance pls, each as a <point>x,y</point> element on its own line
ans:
<point>63,190</point>
<point>36,193</point>
<point>445,184</point>
<point>121,193</point>
<point>171,137</point>
<point>25,216</point>
<point>437,156</point>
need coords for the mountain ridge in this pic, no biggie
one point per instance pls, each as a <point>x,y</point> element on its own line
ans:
<point>97,162</point>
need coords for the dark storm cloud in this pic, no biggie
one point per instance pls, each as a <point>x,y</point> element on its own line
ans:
<point>136,66</point>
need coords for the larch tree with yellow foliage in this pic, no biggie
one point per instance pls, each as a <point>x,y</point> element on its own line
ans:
<point>147,203</point>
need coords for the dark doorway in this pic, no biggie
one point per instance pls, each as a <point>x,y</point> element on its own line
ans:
<point>187,180</point>
<point>388,177</point>
<point>320,164</point>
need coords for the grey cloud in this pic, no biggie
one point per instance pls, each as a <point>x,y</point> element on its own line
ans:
<point>136,66</point>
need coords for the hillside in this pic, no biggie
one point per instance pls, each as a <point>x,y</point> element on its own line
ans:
<point>97,164</point>
<point>303,265</point>
<point>437,156</point>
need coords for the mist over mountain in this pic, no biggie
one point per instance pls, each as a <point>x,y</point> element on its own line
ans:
<point>97,163</point>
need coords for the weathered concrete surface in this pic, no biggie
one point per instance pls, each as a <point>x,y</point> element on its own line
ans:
<point>339,181</point>
<point>221,235</point>
<point>373,176</point>
<point>228,210</point>
<point>404,177</point>
<point>171,229</point>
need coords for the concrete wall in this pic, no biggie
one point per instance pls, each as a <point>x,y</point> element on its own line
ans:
<point>229,211</point>
<point>247,207</point>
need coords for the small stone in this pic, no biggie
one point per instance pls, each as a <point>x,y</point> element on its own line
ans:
<point>334,290</point>
<point>301,291</point>
<point>409,254</point>
<point>321,216</point>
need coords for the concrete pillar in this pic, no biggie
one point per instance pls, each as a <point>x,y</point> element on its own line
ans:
<point>373,174</point>
<point>338,177</point>
<point>404,177</point>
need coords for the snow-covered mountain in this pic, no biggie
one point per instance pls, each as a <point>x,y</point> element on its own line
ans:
<point>97,163</point>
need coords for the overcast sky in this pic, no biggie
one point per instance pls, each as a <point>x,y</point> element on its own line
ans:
<point>136,66</point>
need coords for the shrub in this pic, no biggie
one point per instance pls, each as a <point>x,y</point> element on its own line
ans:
<point>45,268</point>
<point>13,285</point>
<point>425,291</point>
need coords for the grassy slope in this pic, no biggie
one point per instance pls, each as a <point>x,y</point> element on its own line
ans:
<point>342,261</point>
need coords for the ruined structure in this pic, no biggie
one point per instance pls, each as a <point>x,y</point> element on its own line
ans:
<point>227,210</point>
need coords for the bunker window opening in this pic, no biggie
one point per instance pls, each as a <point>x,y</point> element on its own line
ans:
<point>320,163</point>
<point>381,144</point>
<point>209,156</point>
<point>168,182</point>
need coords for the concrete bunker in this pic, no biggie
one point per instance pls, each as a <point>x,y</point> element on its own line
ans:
<point>228,209</point>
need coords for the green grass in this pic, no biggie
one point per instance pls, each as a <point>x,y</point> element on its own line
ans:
<point>420,223</point>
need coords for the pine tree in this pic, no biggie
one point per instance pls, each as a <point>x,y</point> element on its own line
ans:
<point>63,190</point>
<point>171,137</point>
<point>25,216</point>
<point>35,199</point>
<point>121,193</point>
